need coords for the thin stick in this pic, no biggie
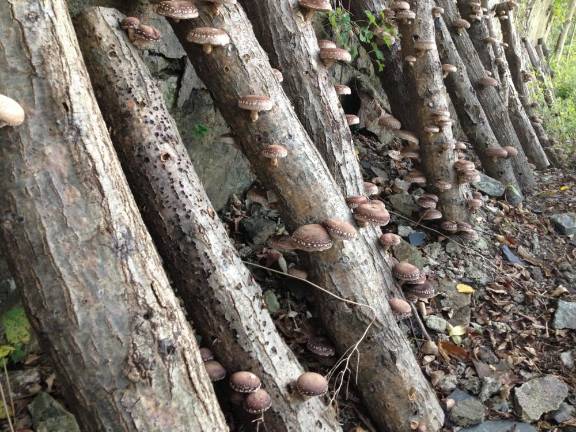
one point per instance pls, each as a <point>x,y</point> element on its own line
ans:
<point>420,323</point>
<point>6,407</point>
<point>9,390</point>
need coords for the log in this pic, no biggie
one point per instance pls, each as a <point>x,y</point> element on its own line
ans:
<point>429,94</point>
<point>489,97</point>
<point>220,294</point>
<point>472,116</point>
<point>92,281</point>
<point>393,387</point>
<point>561,41</point>
<point>539,72</point>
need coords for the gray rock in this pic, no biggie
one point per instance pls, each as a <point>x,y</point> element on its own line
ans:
<point>48,415</point>
<point>406,252</point>
<point>565,413</point>
<point>567,358</point>
<point>436,323</point>
<point>258,229</point>
<point>460,395</point>
<point>565,223</point>
<point>458,303</point>
<point>468,412</point>
<point>565,315</point>
<point>404,231</point>
<point>539,396</point>
<point>403,203</point>
<point>501,426</point>
<point>490,386</point>
<point>447,383</point>
<point>489,186</point>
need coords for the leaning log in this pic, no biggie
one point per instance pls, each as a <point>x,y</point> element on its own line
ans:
<point>92,281</point>
<point>393,388</point>
<point>220,295</point>
<point>472,116</point>
<point>539,72</point>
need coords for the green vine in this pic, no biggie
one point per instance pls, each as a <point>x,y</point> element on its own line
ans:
<point>373,32</point>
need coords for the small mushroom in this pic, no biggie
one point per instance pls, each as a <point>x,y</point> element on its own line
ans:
<point>355,200</point>
<point>129,24</point>
<point>461,24</point>
<point>431,129</point>
<point>422,291</point>
<point>329,56</point>
<point>244,382</point>
<point>145,33</point>
<point>400,5</point>
<point>274,152</point>
<point>460,145</point>
<point>312,6</point>
<point>255,104</point>
<point>278,75</point>
<point>257,402</point>
<point>217,4</point>
<point>374,213</point>
<point>488,81</point>
<point>496,152</point>
<point>470,235</point>
<point>472,176</point>
<point>449,226</point>
<point>406,272</point>
<point>437,11</point>
<point>410,59</point>
<point>407,136</point>
<point>298,273</point>
<point>512,151</point>
<point>443,185</point>
<point>340,229</point>
<point>206,354</point>
<point>490,40</point>
<point>390,239</point>
<point>215,370</point>
<point>342,90</point>
<point>405,16</point>
<point>177,10</point>
<point>11,112</point>
<point>447,68</point>
<point>311,384</point>
<point>474,204</point>
<point>312,238</point>
<point>415,176</point>
<point>325,43</point>
<point>464,166</point>
<point>352,119</point>
<point>371,189</point>
<point>389,122</point>
<point>431,214</point>
<point>208,37</point>
<point>426,201</point>
<point>401,308</point>
<point>320,346</point>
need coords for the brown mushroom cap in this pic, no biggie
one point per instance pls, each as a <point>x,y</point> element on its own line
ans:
<point>312,238</point>
<point>311,384</point>
<point>209,37</point>
<point>470,235</point>
<point>410,59</point>
<point>415,176</point>
<point>406,272</point>
<point>424,45</point>
<point>177,9</point>
<point>390,239</point>
<point>443,185</point>
<point>449,226</point>
<point>474,203</point>
<point>255,104</point>
<point>331,55</point>
<point>512,151</point>
<point>355,200</point>
<point>11,112</point>
<point>431,129</point>
<point>342,89</point>
<point>206,354</point>
<point>340,229</point>
<point>215,370</point>
<point>244,382</point>
<point>389,122</point>
<point>462,165</point>
<point>472,176</point>
<point>407,136</point>
<point>488,81</point>
<point>146,33</point>
<point>373,212</point>
<point>431,214</point>
<point>278,75</point>
<point>400,307</point>
<point>257,402</point>
<point>274,152</point>
<point>460,145</point>
<point>129,23</point>
<point>352,119</point>
<point>371,189</point>
<point>461,23</point>
<point>400,5</point>
<point>437,11</point>
<point>425,201</point>
<point>405,15</point>
<point>325,43</point>
<point>316,5</point>
<point>423,290</point>
<point>447,67</point>
<point>496,152</point>
<point>320,346</point>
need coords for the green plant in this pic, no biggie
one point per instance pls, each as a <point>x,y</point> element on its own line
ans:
<point>16,334</point>
<point>200,130</point>
<point>373,32</point>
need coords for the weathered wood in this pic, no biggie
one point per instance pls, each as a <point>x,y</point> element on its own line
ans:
<point>92,281</point>
<point>471,114</point>
<point>538,71</point>
<point>543,59</point>
<point>389,378</point>
<point>489,97</point>
<point>561,41</point>
<point>220,295</point>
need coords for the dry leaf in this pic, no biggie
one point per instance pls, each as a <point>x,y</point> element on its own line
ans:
<point>465,289</point>
<point>453,350</point>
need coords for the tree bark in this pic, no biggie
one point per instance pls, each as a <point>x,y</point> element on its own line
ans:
<point>564,31</point>
<point>220,294</point>
<point>489,98</point>
<point>471,114</point>
<point>388,374</point>
<point>428,92</point>
<point>92,282</point>
<point>538,71</point>
<point>544,58</point>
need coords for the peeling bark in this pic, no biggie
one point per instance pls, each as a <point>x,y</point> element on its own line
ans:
<point>389,379</point>
<point>92,282</point>
<point>220,294</point>
<point>472,116</point>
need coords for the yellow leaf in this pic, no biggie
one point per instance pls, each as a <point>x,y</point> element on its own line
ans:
<point>457,330</point>
<point>465,289</point>
<point>564,188</point>
<point>5,350</point>
<point>5,413</point>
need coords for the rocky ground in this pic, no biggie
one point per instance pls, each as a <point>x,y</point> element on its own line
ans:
<point>499,339</point>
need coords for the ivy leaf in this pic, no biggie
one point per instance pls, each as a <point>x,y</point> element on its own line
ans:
<point>371,18</point>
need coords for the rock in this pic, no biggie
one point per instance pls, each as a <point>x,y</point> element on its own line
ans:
<point>565,413</point>
<point>447,383</point>
<point>451,300</point>
<point>565,315</point>
<point>459,395</point>
<point>501,426</point>
<point>489,186</point>
<point>468,412</point>
<point>48,415</point>
<point>258,229</point>
<point>403,203</point>
<point>417,238</point>
<point>436,323</point>
<point>406,252</point>
<point>539,396</point>
<point>490,386</point>
<point>567,358</point>
<point>404,231</point>
<point>565,223</point>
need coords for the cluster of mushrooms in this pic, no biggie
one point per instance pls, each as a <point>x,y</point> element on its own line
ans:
<point>247,388</point>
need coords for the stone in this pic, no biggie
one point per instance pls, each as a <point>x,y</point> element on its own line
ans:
<point>501,426</point>
<point>403,203</point>
<point>447,383</point>
<point>490,386</point>
<point>565,315</point>
<point>467,412</point>
<point>567,359</point>
<point>406,252</point>
<point>436,323</point>
<point>48,415</point>
<point>456,303</point>
<point>404,231</point>
<point>565,413</point>
<point>565,223</point>
<point>258,229</point>
<point>539,396</point>
<point>489,186</point>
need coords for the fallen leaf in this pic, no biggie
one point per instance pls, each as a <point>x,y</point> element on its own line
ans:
<point>465,289</point>
<point>452,350</point>
<point>456,330</point>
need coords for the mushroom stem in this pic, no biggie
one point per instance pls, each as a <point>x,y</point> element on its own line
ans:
<point>254,116</point>
<point>131,35</point>
<point>207,48</point>
<point>445,74</point>
<point>176,20</point>
<point>309,14</point>
<point>328,63</point>
<point>274,162</point>
<point>215,9</point>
